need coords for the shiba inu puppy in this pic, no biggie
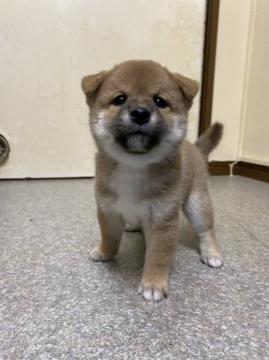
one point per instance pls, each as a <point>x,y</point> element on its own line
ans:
<point>145,169</point>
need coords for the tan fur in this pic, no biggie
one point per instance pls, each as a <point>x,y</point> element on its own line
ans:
<point>143,180</point>
<point>210,139</point>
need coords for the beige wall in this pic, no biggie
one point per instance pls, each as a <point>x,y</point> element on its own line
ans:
<point>232,44</point>
<point>47,46</point>
<point>241,90</point>
<point>255,131</point>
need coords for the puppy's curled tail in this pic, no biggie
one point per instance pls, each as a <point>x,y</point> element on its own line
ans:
<point>210,139</point>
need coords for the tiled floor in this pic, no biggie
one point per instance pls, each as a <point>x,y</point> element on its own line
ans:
<point>56,304</point>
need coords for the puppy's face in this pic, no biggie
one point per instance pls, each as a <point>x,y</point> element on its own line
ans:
<point>138,110</point>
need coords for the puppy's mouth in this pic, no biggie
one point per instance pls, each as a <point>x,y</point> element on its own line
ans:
<point>138,142</point>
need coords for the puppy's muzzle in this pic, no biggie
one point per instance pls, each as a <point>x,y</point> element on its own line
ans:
<point>140,115</point>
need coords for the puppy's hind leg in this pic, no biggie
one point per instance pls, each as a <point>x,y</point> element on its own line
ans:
<point>198,209</point>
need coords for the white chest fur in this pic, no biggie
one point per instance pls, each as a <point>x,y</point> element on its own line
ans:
<point>131,185</point>
<point>134,201</point>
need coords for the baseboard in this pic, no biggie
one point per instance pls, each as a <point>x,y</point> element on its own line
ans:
<point>254,171</point>
<point>216,168</point>
<point>219,167</point>
<point>47,178</point>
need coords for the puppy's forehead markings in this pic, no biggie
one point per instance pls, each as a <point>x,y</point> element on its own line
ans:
<point>140,80</point>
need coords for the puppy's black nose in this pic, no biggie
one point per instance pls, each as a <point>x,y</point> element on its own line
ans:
<point>140,115</point>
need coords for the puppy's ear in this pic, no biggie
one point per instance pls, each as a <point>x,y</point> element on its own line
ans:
<point>91,84</point>
<point>188,87</point>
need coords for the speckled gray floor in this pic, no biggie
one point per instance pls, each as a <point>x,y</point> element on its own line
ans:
<point>56,304</point>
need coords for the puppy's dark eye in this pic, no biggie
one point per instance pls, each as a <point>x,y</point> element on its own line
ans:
<point>119,100</point>
<point>160,102</point>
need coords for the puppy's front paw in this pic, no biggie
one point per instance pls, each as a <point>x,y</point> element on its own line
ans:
<point>214,261</point>
<point>97,255</point>
<point>153,291</point>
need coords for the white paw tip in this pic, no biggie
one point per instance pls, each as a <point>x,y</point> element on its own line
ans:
<point>213,262</point>
<point>157,295</point>
<point>154,294</point>
<point>147,294</point>
<point>96,255</point>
